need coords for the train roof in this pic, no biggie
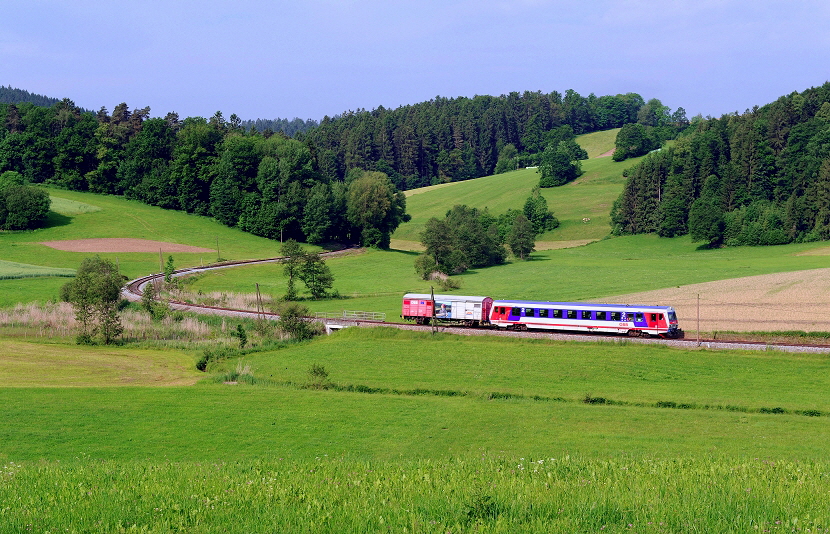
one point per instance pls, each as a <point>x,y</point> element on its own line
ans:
<point>427,296</point>
<point>591,305</point>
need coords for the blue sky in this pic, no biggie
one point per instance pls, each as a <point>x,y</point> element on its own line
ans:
<point>310,58</point>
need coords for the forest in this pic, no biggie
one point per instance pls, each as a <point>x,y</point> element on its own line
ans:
<point>757,178</point>
<point>761,177</point>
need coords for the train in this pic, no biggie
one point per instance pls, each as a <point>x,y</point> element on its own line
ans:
<point>474,311</point>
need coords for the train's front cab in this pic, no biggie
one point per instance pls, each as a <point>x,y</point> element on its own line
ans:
<point>672,327</point>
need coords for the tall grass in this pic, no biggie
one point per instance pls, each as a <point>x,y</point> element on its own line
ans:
<point>486,494</point>
<point>57,320</point>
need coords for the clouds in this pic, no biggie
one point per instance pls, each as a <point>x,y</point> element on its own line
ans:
<point>316,57</point>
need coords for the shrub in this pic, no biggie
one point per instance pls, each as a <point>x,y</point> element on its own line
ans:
<point>318,377</point>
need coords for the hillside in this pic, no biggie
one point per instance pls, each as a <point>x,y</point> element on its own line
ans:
<point>589,197</point>
<point>88,216</point>
<point>757,178</point>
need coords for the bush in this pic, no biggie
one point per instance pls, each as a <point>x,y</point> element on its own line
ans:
<point>318,377</point>
<point>293,321</point>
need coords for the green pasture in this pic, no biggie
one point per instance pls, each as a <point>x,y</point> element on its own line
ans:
<point>598,143</point>
<point>634,374</point>
<point>399,395</point>
<point>376,280</point>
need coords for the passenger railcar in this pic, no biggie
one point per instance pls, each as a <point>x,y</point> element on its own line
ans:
<point>471,311</point>
<point>583,317</point>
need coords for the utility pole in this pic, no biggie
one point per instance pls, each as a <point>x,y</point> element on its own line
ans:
<point>698,319</point>
<point>432,298</point>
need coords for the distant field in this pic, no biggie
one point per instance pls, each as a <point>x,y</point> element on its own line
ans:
<point>598,143</point>
<point>771,302</point>
<point>77,216</point>
<point>65,206</point>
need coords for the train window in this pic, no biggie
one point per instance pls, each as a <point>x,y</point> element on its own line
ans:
<point>659,316</point>
<point>653,317</point>
<point>571,314</point>
<point>557,314</point>
<point>616,316</point>
<point>600,316</point>
<point>639,317</point>
<point>586,315</point>
<point>516,311</point>
<point>543,313</point>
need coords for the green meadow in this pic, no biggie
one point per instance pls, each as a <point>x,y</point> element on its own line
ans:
<point>409,432</point>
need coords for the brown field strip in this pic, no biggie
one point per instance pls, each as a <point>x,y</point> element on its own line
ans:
<point>119,244</point>
<point>772,302</point>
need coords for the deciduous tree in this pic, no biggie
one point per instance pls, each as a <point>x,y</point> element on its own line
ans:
<point>94,294</point>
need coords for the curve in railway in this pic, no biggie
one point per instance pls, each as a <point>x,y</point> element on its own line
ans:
<point>134,290</point>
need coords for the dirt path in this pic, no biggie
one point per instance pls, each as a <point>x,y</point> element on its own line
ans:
<point>606,154</point>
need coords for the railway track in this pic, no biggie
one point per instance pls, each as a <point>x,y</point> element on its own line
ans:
<point>134,290</point>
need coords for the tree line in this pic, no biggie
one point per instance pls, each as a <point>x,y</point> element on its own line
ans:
<point>339,180</point>
<point>757,178</point>
<point>269,185</point>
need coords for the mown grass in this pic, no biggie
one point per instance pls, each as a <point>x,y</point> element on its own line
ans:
<point>217,422</point>
<point>29,364</point>
<point>486,494</point>
<point>398,394</point>
<point>619,372</point>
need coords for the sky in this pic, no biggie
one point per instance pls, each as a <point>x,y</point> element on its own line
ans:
<point>312,58</point>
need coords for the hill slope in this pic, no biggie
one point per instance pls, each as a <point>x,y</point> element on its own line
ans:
<point>589,197</point>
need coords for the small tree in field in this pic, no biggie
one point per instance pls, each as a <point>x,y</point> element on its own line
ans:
<point>522,237</point>
<point>94,294</point>
<point>316,275</point>
<point>292,261</point>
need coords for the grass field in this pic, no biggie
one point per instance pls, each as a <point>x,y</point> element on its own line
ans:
<point>375,280</point>
<point>405,395</point>
<point>590,196</point>
<point>548,494</point>
<point>414,433</point>
<point>431,434</point>
<point>27,364</point>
